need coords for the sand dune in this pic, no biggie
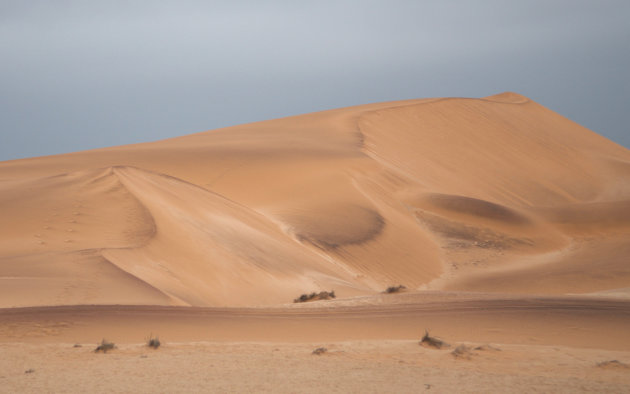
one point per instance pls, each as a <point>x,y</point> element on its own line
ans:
<point>490,211</point>
<point>432,193</point>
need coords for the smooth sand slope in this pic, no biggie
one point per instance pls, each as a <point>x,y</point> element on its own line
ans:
<point>495,194</point>
<point>507,223</point>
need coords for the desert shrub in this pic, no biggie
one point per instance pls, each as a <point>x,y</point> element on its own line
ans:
<point>322,295</point>
<point>302,298</point>
<point>462,351</point>
<point>153,342</point>
<point>395,289</point>
<point>104,346</point>
<point>430,341</point>
<point>320,350</point>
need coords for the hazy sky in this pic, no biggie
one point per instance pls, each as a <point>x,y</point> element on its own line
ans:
<point>85,74</point>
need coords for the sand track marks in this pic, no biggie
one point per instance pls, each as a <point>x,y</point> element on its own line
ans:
<point>88,209</point>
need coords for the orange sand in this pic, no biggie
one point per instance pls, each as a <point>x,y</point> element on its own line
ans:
<point>508,224</point>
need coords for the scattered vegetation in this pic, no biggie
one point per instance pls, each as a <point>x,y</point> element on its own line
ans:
<point>30,370</point>
<point>105,346</point>
<point>77,345</point>
<point>153,342</point>
<point>613,364</point>
<point>462,351</point>
<point>430,341</point>
<point>395,289</point>
<point>322,295</point>
<point>320,350</point>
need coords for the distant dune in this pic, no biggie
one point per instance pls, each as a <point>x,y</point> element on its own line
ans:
<point>497,194</point>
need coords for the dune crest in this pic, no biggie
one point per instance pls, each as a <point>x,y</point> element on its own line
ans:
<point>460,194</point>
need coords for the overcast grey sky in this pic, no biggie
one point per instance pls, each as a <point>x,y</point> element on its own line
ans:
<point>77,75</point>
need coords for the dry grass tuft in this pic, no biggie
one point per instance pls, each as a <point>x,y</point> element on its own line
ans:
<point>430,341</point>
<point>153,342</point>
<point>105,346</point>
<point>320,350</point>
<point>395,289</point>
<point>322,295</point>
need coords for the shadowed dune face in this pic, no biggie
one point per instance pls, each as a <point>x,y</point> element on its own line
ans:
<point>333,227</point>
<point>476,208</point>
<point>461,194</point>
<point>470,222</point>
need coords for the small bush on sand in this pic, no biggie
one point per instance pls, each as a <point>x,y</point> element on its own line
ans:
<point>430,341</point>
<point>395,289</point>
<point>320,350</point>
<point>463,352</point>
<point>105,346</point>
<point>153,342</point>
<point>322,295</point>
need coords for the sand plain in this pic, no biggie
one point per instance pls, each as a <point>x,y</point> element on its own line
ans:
<point>508,224</point>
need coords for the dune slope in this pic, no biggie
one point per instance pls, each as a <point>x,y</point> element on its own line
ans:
<point>487,195</point>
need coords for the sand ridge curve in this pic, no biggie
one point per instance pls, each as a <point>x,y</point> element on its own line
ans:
<point>454,193</point>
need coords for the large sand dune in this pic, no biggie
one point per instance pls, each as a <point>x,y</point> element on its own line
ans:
<point>496,209</point>
<point>458,194</point>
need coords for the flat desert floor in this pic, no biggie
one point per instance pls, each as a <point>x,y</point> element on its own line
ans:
<point>351,366</point>
<point>492,344</point>
<point>508,225</point>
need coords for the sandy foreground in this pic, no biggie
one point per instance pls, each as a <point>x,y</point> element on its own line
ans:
<point>508,224</point>
<point>351,366</point>
<point>494,344</point>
